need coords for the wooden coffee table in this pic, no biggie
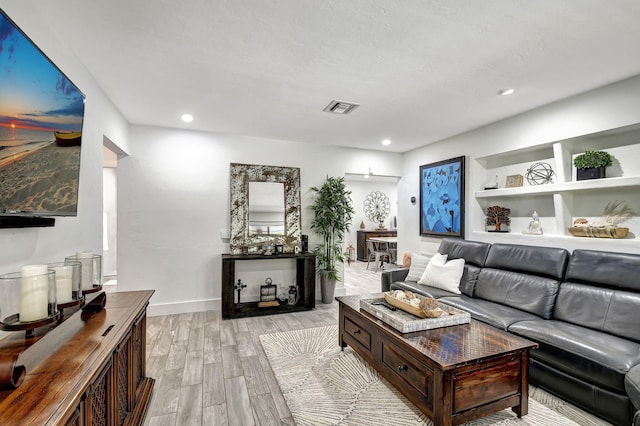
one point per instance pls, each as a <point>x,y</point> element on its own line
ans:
<point>453,374</point>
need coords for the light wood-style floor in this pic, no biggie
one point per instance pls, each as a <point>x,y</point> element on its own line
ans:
<point>214,372</point>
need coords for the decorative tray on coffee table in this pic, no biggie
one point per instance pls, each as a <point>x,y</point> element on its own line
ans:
<point>405,322</point>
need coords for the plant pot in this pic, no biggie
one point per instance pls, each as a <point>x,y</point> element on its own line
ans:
<point>594,173</point>
<point>327,287</point>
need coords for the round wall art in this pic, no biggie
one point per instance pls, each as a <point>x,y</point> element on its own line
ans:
<point>377,207</point>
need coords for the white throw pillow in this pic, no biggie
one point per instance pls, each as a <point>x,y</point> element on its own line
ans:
<point>445,276</point>
<point>419,265</point>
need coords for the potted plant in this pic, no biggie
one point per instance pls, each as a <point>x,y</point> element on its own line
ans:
<point>333,211</point>
<point>592,164</point>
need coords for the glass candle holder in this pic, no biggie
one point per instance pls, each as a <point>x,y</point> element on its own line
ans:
<point>91,270</point>
<point>68,275</point>
<point>27,297</point>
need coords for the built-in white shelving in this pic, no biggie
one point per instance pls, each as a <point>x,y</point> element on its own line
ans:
<point>560,202</point>
<point>553,188</point>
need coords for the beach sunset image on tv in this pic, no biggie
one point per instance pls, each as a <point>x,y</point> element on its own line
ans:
<point>41,115</point>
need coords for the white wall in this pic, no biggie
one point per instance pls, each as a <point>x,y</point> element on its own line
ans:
<point>359,191</point>
<point>70,234</point>
<point>110,222</point>
<point>609,107</point>
<point>173,202</point>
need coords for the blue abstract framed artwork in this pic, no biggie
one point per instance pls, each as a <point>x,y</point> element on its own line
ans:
<point>442,198</point>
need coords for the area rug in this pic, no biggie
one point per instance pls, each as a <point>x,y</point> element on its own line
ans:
<point>326,386</point>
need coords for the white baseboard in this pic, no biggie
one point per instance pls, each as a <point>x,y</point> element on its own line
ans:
<point>155,310</point>
<point>340,291</point>
<point>175,308</point>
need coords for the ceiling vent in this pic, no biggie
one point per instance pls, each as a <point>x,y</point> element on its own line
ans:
<point>340,107</point>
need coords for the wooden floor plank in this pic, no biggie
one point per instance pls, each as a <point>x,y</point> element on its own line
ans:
<point>264,410</point>
<point>190,406</point>
<point>215,415</point>
<point>231,362</point>
<point>166,420</point>
<point>166,393</point>
<point>213,385</point>
<point>238,403</point>
<point>228,332</point>
<point>176,356</point>
<point>254,376</point>
<point>212,349</point>
<point>193,366</point>
<point>246,344</point>
<point>276,394</point>
<point>196,338</point>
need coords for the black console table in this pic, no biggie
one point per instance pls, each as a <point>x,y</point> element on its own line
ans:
<point>305,280</point>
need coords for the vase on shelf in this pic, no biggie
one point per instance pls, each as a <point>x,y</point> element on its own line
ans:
<point>593,173</point>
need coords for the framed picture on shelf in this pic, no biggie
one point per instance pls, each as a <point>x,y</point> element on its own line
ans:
<point>442,198</point>
<point>514,181</point>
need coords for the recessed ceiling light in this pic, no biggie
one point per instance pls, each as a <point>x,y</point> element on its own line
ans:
<point>386,142</point>
<point>506,92</point>
<point>187,118</point>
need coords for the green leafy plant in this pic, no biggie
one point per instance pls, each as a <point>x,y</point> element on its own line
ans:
<point>593,160</point>
<point>333,211</point>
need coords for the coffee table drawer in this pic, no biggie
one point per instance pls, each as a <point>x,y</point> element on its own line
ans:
<point>409,369</point>
<point>359,333</point>
<point>491,382</point>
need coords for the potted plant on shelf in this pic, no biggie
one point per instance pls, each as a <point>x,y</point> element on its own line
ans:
<point>333,211</point>
<point>592,164</point>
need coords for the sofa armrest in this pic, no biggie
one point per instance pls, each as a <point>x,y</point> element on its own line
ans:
<point>391,276</point>
<point>632,386</point>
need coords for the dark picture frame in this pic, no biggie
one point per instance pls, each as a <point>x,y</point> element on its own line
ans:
<point>442,195</point>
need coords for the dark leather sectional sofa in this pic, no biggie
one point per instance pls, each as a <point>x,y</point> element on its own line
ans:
<point>582,308</point>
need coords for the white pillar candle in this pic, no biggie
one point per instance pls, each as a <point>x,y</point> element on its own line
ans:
<point>86,259</point>
<point>34,290</point>
<point>64,276</point>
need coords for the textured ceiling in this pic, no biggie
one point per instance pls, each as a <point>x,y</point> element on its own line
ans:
<point>422,70</point>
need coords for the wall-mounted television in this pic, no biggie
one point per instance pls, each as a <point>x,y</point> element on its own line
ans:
<point>41,116</point>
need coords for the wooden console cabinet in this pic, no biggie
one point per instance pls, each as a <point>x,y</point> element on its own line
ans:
<point>363,239</point>
<point>90,370</point>
<point>305,280</point>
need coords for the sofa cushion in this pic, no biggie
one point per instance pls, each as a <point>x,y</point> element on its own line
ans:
<point>607,310</point>
<point>473,252</point>
<point>529,293</point>
<point>612,406</point>
<point>544,261</point>
<point>616,270</point>
<point>419,263</point>
<point>443,275</point>
<point>632,385</point>
<point>589,355</point>
<point>494,314</point>
<point>420,289</point>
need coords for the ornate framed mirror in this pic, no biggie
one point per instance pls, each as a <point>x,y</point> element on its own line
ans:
<point>265,207</point>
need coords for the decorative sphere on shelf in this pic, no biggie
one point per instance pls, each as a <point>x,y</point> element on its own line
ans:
<point>540,174</point>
